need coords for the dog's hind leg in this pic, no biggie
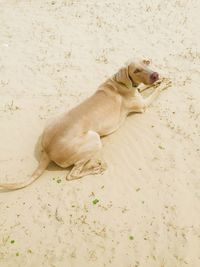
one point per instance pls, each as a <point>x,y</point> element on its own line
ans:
<point>86,163</point>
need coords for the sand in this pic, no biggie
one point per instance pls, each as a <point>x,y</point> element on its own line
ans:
<point>144,210</point>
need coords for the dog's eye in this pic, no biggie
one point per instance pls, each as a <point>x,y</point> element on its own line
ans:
<point>137,70</point>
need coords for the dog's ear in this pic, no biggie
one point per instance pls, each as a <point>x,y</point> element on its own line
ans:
<point>146,61</point>
<point>122,76</point>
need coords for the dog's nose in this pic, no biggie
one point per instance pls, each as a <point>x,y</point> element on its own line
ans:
<point>154,76</point>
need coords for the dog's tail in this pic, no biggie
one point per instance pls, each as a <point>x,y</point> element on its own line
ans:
<point>44,162</point>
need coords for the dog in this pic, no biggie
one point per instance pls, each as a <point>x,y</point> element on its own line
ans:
<point>74,138</point>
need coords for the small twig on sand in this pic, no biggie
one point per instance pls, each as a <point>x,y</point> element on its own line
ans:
<point>58,218</point>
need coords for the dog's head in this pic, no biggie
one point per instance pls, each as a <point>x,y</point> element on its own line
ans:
<point>136,72</point>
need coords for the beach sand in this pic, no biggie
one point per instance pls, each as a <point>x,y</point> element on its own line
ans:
<point>144,211</point>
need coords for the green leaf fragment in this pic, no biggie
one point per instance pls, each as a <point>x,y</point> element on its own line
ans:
<point>95,201</point>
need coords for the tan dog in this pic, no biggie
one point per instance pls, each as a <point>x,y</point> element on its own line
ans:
<point>73,139</point>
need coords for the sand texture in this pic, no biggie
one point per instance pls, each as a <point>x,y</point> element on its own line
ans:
<point>144,211</point>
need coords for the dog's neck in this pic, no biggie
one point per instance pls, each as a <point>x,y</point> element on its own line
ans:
<point>116,86</point>
<point>133,83</point>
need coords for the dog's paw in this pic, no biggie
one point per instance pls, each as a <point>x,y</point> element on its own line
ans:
<point>70,177</point>
<point>102,166</point>
<point>98,167</point>
<point>73,175</point>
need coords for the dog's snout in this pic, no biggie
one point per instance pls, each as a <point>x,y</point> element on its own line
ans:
<point>154,76</point>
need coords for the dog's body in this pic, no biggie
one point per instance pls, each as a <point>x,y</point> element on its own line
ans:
<point>73,139</point>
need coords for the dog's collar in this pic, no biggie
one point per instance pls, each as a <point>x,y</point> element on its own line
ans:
<point>134,84</point>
